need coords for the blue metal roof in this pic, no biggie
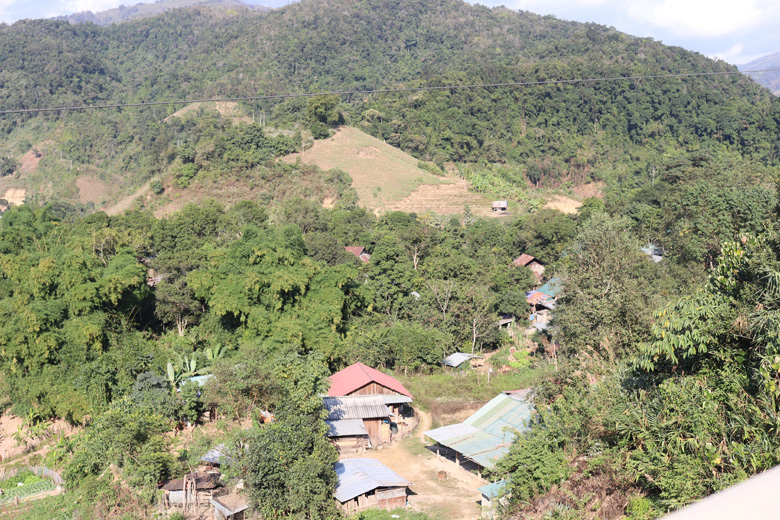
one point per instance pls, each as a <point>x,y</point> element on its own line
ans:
<point>486,436</point>
<point>359,476</point>
<point>201,380</point>
<point>493,490</point>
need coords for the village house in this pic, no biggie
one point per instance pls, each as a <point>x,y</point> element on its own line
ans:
<point>534,264</point>
<point>359,252</point>
<point>365,483</point>
<point>366,408</point>
<point>485,437</point>
<point>500,205</point>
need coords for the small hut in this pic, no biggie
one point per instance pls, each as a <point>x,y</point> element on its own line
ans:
<point>366,483</point>
<point>500,205</point>
<point>232,506</point>
<point>192,488</point>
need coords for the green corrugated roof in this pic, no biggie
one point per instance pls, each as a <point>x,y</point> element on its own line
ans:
<point>551,288</point>
<point>488,433</point>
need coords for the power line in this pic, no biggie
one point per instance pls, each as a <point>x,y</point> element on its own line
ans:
<point>382,91</point>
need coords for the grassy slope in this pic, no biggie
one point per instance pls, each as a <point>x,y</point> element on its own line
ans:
<point>387,178</point>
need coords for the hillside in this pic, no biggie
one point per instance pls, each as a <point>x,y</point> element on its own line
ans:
<point>139,11</point>
<point>770,80</point>
<point>387,179</point>
<point>505,140</point>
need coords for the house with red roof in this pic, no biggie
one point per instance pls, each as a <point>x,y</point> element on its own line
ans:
<point>361,393</point>
<point>359,252</point>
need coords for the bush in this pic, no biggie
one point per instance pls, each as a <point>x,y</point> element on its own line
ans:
<point>157,187</point>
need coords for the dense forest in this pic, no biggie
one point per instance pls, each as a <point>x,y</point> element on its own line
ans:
<point>656,384</point>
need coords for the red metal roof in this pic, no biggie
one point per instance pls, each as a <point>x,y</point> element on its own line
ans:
<point>359,375</point>
<point>359,252</point>
<point>523,259</point>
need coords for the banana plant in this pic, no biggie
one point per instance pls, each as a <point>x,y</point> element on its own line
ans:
<point>183,368</point>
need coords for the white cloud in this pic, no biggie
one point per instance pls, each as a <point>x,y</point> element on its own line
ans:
<point>701,18</point>
<point>77,6</point>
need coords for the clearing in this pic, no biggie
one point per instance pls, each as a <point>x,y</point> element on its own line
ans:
<point>455,497</point>
<point>563,204</point>
<point>381,175</point>
<point>91,189</point>
<point>227,109</point>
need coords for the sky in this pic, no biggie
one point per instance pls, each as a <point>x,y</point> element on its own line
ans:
<point>736,31</point>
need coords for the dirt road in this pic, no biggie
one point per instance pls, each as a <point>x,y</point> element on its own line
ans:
<point>455,498</point>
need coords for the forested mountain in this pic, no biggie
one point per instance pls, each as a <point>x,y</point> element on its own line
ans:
<point>770,80</point>
<point>617,131</point>
<point>138,11</point>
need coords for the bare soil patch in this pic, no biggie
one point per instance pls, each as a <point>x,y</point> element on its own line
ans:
<point>9,448</point>
<point>563,204</point>
<point>591,189</point>
<point>15,196</point>
<point>92,189</point>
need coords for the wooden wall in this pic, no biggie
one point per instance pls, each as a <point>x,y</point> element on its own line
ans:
<point>374,389</point>
<point>385,498</point>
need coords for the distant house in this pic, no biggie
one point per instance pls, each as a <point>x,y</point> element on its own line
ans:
<point>655,253</point>
<point>534,264</point>
<point>458,359</point>
<point>544,297</point>
<point>192,488</point>
<point>360,392</point>
<point>359,252</point>
<point>500,205</point>
<point>486,436</point>
<point>367,483</point>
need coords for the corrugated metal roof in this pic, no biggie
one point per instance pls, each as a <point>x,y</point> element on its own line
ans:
<point>356,407</point>
<point>523,259</point>
<point>492,490</point>
<point>457,359</point>
<point>216,455</point>
<point>200,380</point>
<point>359,476</point>
<point>551,288</point>
<point>396,399</point>
<point>356,376</point>
<point>487,434</point>
<point>346,427</point>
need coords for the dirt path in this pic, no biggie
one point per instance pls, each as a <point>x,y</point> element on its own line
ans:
<point>127,202</point>
<point>454,498</point>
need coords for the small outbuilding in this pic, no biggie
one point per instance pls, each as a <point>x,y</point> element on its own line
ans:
<point>230,507</point>
<point>192,488</point>
<point>492,495</point>
<point>367,483</point>
<point>500,205</point>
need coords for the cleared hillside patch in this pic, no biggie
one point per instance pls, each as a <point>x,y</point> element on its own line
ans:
<point>381,175</point>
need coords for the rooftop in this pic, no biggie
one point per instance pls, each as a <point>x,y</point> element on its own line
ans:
<point>486,436</point>
<point>359,476</point>
<point>356,407</point>
<point>356,376</point>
